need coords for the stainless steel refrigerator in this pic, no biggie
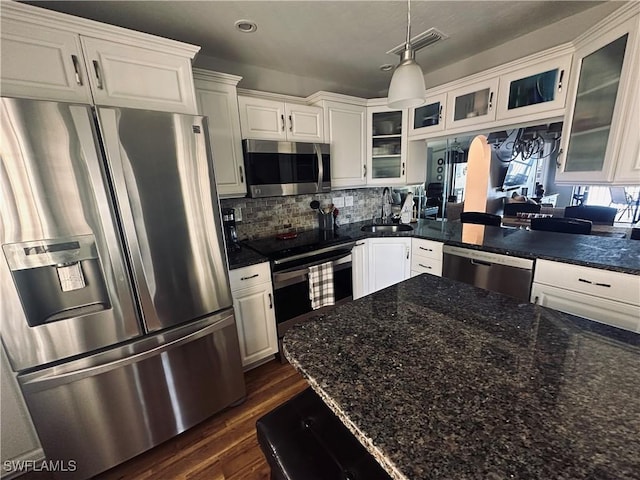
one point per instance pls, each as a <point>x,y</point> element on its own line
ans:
<point>116,309</point>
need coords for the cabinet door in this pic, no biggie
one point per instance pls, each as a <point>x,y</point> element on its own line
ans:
<point>429,117</point>
<point>219,102</point>
<point>389,262</point>
<point>628,165</point>
<point>304,123</point>
<point>126,76</point>
<point>42,63</point>
<point>591,135</point>
<point>472,105</point>
<point>256,323</point>
<point>360,269</point>
<point>262,119</point>
<point>345,130</point>
<point>386,150</point>
<point>534,90</point>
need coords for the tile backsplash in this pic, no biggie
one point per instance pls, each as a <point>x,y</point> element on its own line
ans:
<point>265,217</point>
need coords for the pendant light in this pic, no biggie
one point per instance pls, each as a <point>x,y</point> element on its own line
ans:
<point>407,83</point>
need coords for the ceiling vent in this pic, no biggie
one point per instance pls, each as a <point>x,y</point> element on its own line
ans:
<point>424,39</point>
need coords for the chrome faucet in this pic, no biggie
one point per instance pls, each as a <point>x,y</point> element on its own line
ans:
<point>386,205</point>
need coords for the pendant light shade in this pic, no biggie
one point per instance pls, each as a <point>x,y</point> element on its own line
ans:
<point>407,83</point>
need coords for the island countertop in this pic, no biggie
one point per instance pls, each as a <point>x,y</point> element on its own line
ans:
<point>441,380</point>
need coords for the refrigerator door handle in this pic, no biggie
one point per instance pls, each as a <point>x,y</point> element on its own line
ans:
<point>42,381</point>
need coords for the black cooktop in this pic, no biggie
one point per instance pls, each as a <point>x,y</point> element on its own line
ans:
<point>276,248</point>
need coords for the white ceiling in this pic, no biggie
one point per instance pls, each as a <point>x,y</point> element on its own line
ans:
<point>338,44</point>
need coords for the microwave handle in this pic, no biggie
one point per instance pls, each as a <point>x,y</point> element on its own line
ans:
<point>316,149</point>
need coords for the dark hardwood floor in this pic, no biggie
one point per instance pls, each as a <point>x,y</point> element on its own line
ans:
<point>225,446</point>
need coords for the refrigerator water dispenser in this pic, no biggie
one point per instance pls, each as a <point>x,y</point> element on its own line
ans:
<point>57,279</point>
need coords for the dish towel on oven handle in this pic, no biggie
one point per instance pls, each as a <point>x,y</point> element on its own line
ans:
<point>321,291</point>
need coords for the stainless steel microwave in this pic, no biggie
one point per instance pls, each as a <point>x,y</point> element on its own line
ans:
<point>276,168</point>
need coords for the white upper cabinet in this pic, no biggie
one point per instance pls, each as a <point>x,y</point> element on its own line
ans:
<point>603,100</point>
<point>472,104</point>
<point>534,89</point>
<point>42,63</point>
<point>429,117</point>
<point>268,119</point>
<point>345,130</point>
<point>387,146</point>
<point>217,99</point>
<point>131,76</point>
<point>52,56</point>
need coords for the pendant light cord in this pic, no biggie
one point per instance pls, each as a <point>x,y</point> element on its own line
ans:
<point>408,23</point>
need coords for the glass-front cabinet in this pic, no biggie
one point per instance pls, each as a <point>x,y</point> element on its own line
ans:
<point>387,146</point>
<point>606,78</point>
<point>534,89</point>
<point>473,104</point>
<point>429,117</point>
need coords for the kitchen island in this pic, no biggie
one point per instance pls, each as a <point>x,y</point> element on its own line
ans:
<point>441,380</point>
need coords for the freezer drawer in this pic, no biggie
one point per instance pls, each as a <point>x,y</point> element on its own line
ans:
<point>103,414</point>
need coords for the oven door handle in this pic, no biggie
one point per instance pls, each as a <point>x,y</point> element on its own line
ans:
<point>302,271</point>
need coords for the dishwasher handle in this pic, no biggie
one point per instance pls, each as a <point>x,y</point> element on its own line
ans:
<point>481,263</point>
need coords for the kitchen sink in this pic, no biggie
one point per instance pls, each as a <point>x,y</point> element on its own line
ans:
<point>396,227</point>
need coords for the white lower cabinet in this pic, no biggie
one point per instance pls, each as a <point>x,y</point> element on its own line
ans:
<point>593,293</point>
<point>360,269</point>
<point>252,293</point>
<point>389,261</point>
<point>426,257</point>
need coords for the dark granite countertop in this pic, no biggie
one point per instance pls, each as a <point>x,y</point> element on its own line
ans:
<point>442,380</point>
<point>614,254</point>
<point>589,250</point>
<point>244,258</point>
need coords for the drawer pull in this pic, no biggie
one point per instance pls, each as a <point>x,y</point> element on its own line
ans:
<point>424,266</point>
<point>248,278</point>
<point>427,249</point>
<point>241,174</point>
<point>584,280</point>
<point>282,118</point>
<point>358,244</point>
<point>270,301</point>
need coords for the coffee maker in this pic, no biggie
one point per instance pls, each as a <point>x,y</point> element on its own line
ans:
<point>230,233</point>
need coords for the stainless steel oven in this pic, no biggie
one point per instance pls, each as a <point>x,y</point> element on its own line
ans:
<point>291,284</point>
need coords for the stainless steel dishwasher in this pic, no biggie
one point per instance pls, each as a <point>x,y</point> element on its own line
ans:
<point>491,271</point>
